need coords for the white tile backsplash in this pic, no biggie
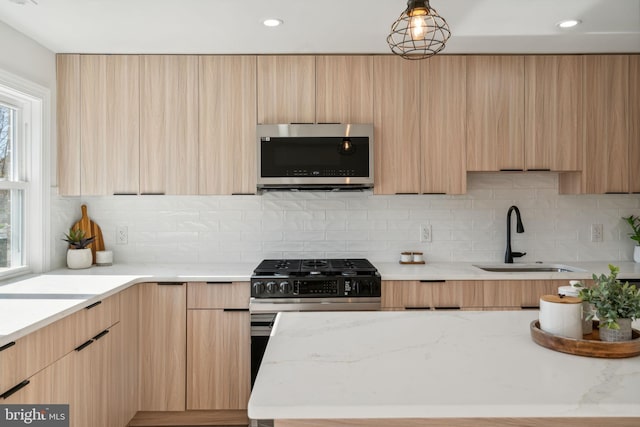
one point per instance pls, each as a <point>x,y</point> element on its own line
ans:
<point>467,228</point>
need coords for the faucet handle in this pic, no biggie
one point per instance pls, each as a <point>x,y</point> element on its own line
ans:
<point>518,254</point>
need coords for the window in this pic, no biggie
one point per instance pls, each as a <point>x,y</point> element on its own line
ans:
<point>24,213</point>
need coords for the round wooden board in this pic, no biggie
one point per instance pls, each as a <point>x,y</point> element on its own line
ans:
<point>590,345</point>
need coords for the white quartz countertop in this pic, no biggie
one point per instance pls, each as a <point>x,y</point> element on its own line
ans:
<point>432,365</point>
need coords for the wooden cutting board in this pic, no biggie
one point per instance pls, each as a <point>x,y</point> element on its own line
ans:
<point>91,229</point>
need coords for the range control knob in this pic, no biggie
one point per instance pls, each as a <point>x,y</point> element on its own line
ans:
<point>285,287</point>
<point>271,287</point>
<point>258,288</point>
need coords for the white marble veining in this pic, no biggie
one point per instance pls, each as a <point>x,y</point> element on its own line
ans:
<point>432,365</point>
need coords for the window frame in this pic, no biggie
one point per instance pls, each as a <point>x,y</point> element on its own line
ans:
<point>34,102</point>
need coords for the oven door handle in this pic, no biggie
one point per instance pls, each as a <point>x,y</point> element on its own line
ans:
<point>260,331</point>
<point>275,307</point>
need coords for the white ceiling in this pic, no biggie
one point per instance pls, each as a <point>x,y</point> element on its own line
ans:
<point>327,26</point>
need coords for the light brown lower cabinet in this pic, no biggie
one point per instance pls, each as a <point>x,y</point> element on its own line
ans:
<point>162,346</point>
<point>218,359</point>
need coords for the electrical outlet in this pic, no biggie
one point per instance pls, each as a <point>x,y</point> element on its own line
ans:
<point>425,233</point>
<point>596,232</point>
<point>122,235</point>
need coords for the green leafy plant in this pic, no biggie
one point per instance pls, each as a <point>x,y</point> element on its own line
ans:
<point>76,239</point>
<point>634,222</point>
<point>612,299</point>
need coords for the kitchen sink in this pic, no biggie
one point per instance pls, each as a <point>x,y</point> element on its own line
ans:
<point>529,268</point>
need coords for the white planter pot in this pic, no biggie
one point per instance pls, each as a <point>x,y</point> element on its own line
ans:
<point>79,258</point>
<point>636,253</point>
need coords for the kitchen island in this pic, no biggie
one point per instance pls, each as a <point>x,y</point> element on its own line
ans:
<point>434,368</point>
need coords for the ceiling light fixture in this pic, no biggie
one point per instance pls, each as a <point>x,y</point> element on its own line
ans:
<point>272,22</point>
<point>568,23</point>
<point>419,32</point>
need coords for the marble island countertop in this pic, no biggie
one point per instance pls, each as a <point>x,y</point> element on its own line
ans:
<point>428,365</point>
<point>31,302</point>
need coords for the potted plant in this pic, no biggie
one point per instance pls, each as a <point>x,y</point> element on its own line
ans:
<point>615,303</point>
<point>78,254</point>
<point>634,222</point>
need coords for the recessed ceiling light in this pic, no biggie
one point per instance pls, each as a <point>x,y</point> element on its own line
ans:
<point>272,22</point>
<point>568,23</point>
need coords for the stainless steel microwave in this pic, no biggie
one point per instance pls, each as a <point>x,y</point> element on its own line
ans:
<point>315,156</point>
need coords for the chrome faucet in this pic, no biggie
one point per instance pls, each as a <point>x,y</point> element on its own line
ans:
<point>508,256</point>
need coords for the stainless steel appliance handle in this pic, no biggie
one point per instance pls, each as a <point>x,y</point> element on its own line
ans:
<point>331,304</point>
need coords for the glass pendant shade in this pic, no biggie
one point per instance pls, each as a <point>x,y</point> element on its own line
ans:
<point>419,32</point>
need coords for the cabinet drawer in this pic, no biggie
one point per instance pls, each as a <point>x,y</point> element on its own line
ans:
<point>406,295</point>
<point>206,295</point>
<point>97,317</point>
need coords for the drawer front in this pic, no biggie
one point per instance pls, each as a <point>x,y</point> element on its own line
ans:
<point>97,317</point>
<point>218,295</point>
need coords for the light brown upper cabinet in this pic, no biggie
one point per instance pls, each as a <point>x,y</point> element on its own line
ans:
<point>634,123</point>
<point>344,89</point>
<point>227,124</point>
<point>606,101</point>
<point>396,125</point>
<point>443,122</point>
<point>98,127</point>
<point>553,119</point>
<point>495,113</point>
<point>168,124</point>
<point>286,89</point>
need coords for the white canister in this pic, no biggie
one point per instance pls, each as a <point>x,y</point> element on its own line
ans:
<point>406,257</point>
<point>104,258</point>
<point>418,257</point>
<point>574,291</point>
<point>561,316</point>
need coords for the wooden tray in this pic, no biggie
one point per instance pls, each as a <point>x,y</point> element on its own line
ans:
<point>590,344</point>
<point>412,262</point>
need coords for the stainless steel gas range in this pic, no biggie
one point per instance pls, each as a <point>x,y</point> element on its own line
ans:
<point>307,285</point>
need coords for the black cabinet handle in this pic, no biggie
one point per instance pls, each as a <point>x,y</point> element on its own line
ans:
<point>434,194</point>
<point>539,170</point>
<point>405,194</point>
<point>95,304</point>
<point>530,307</point>
<point>219,283</point>
<point>125,194</point>
<point>417,308</point>
<point>235,309</point>
<point>433,281</point>
<point>100,335</point>
<point>511,170</point>
<point>84,345</point>
<point>243,194</point>
<point>7,345</point>
<point>170,283</point>
<point>615,192</point>
<point>11,391</point>
<point>152,194</point>
<point>453,307</point>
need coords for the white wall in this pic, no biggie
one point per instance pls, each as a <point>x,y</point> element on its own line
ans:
<point>202,229</point>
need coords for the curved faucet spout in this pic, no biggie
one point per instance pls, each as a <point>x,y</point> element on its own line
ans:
<point>508,256</point>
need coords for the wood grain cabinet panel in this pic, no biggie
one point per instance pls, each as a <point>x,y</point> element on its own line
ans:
<point>502,294</point>
<point>109,127</point>
<point>227,124</point>
<point>286,89</point>
<point>214,295</point>
<point>553,118</point>
<point>532,290</point>
<point>162,346</point>
<point>124,393</point>
<point>344,89</point>
<point>606,96</point>
<point>396,125</point>
<point>443,121</point>
<point>218,367</point>
<point>169,124</point>
<point>634,123</point>
<point>68,123</point>
<point>495,113</point>
<point>453,294</point>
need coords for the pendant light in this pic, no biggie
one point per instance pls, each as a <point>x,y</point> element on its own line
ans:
<point>419,32</point>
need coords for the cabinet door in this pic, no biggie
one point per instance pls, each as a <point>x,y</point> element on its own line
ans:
<point>213,295</point>
<point>219,359</point>
<point>391,295</point>
<point>495,113</point>
<point>634,123</point>
<point>169,124</point>
<point>344,89</point>
<point>162,344</point>
<point>502,294</point>
<point>68,123</point>
<point>109,130</point>
<point>417,295</point>
<point>227,124</point>
<point>532,290</point>
<point>553,136</point>
<point>606,102</point>
<point>452,295</point>
<point>443,125</point>
<point>286,89</point>
<point>396,125</point>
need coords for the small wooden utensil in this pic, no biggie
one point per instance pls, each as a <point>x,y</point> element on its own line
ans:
<point>91,229</point>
